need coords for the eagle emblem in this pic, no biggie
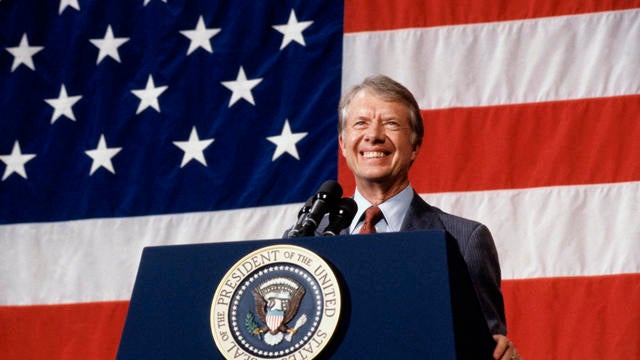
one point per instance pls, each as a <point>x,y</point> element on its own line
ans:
<point>277,301</point>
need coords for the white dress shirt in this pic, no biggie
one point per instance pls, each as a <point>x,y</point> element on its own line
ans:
<point>393,211</point>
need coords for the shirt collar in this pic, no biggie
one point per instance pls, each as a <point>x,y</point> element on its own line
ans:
<point>394,209</point>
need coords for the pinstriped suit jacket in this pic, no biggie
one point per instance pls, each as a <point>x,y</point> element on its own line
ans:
<point>477,248</point>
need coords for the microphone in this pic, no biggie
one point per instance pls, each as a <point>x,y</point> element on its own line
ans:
<point>341,216</point>
<point>303,212</point>
<point>323,201</point>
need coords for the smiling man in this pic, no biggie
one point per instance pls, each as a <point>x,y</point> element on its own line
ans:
<point>380,132</point>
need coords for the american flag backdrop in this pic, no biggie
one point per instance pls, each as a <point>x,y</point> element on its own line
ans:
<point>131,123</point>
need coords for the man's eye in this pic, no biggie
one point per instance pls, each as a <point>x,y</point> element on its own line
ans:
<point>360,123</point>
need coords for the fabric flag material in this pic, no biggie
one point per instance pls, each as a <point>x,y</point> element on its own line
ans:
<point>126,124</point>
<point>532,119</point>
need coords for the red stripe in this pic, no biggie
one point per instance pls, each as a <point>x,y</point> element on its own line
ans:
<point>575,318</point>
<point>75,331</point>
<point>565,318</point>
<point>528,145</point>
<point>371,15</point>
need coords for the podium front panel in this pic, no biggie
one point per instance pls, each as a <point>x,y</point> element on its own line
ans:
<point>395,288</point>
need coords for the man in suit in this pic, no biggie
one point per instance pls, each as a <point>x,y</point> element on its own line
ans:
<point>380,132</point>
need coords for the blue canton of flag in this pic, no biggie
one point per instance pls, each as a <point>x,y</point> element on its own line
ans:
<point>122,108</point>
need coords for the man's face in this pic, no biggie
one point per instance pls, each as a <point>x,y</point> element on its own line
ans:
<point>376,140</point>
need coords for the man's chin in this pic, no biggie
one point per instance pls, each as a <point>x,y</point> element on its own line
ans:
<point>374,178</point>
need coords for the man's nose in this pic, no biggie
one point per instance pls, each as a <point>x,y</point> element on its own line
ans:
<point>375,132</point>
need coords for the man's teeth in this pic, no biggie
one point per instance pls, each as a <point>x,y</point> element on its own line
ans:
<point>373,154</point>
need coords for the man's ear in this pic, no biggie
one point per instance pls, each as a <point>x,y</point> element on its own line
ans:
<point>416,151</point>
<point>341,143</point>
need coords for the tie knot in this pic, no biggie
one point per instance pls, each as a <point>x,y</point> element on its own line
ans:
<point>371,217</point>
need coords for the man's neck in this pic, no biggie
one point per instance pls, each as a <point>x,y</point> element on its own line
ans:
<point>377,193</point>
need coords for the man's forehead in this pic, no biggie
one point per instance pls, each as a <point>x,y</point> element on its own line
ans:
<point>369,104</point>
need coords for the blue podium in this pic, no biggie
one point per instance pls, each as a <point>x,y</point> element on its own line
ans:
<point>404,296</point>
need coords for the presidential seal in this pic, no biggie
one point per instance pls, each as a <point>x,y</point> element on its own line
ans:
<point>279,302</point>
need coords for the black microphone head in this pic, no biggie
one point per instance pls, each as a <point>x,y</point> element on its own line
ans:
<point>331,188</point>
<point>315,207</point>
<point>341,217</point>
<point>348,208</point>
<point>324,201</point>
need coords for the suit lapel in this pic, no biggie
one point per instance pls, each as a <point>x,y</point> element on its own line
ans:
<point>421,216</point>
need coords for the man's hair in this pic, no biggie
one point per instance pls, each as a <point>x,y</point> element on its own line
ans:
<point>389,90</point>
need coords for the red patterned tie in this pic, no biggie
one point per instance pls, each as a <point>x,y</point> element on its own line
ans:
<point>371,217</point>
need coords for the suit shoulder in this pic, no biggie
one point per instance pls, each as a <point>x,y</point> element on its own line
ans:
<point>447,219</point>
<point>459,227</point>
<point>457,221</point>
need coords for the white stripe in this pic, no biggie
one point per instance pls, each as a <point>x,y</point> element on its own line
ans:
<point>97,260</point>
<point>540,232</point>
<point>557,231</point>
<point>546,59</point>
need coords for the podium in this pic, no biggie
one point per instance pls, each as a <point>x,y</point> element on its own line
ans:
<point>404,296</point>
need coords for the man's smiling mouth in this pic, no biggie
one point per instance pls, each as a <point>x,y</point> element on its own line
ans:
<point>373,154</point>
